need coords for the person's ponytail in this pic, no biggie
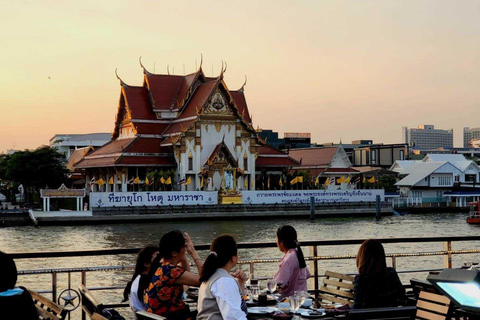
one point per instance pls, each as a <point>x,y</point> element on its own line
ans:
<point>300,257</point>
<point>210,265</point>
<point>223,248</point>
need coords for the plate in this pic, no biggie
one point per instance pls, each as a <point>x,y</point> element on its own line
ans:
<point>312,314</point>
<point>261,310</point>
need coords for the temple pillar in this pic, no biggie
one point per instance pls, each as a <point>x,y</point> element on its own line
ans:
<point>124,182</point>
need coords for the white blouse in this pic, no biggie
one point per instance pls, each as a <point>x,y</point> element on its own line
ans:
<point>229,300</point>
<point>135,303</point>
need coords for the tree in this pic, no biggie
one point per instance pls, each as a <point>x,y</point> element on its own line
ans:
<point>387,182</point>
<point>41,168</point>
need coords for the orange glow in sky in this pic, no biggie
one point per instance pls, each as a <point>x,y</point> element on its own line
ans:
<point>338,69</point>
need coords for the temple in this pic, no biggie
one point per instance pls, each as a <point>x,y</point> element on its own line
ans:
<point>183,133</point>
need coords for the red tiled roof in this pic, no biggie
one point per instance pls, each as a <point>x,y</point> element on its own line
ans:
<point>168,140</point>
<point>186,84</point>
<point>114,146</point>
<point>178,126</point>
<point>266,149</point>
<point>164,89</point>
<point>275,162</point>
<point>241,103</point>
<point>96,163</point>
<point>147,145</point>
<point>76,156</point>
<point>199,99</point>
<point>150,128</point>
<point>147,160</point>
<point>314,156</point>
<point>138,102</point>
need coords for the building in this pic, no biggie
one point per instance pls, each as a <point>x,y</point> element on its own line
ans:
<point>182,133</point>
<point>380,155</point>
<point>331,165</point>
<point>427,137</point>
<point>470,135</point>
<point>290,140</point>
<point>67,143</point>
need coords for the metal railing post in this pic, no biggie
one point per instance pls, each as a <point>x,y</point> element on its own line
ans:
<point>447,258</point>
<point>84,282</point>
<point>394,262</point>
<point>54,286</point>
<point>314,267</point>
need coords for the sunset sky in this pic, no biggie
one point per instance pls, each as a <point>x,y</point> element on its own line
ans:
<point>338,69</point>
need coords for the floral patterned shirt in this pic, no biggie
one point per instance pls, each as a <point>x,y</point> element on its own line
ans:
<point>163,295</point>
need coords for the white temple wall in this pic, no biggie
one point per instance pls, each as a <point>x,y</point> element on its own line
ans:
<point>211,138</point>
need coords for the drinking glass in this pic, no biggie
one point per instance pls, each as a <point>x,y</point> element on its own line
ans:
<point>254,291</point>
<point>272,286</point>
<point>294,303</point>
<point>302,295</point>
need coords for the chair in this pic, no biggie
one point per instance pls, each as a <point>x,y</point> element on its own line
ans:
<point>46,308</point>
<point>391,313</point>
<point>89,304</point>
<point>144,315</point>
<point>433,306</point>
<point>422,285</point>
<point>336,288</point>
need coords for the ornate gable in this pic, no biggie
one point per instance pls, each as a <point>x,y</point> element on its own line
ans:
<point>218,105</point>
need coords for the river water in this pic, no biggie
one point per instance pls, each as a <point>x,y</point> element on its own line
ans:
<point>58,238</point>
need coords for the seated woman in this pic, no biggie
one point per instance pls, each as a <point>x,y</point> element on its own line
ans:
<point>135,287</point>
<point>15,302</point>
<point>169,272</point>
<point>292,274</point>
<point>376,285</point>
<point>221,292</point>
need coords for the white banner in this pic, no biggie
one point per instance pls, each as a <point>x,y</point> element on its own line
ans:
<point>153,198</point>
<point>303,196</point>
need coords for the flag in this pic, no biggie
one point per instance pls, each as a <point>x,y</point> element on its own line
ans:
<point>280,182</point>
<point>181,182</point>
<point>147,182</point>
<point>332,181</point>
<point>348,179</point>
<point>341,179</point>
<point>327,182</point>
<point>136,180</point>
<point>294,180</point>
<point>316,182</point>
<point>245,182</point>
<point>300,179</point>
<point>130,181</point>
<point>189,180</point>
<point>364,180</point>
<point>92,181</point>
<point>268,183</point>
<point>169,180</point>
<point>371,180</point>
<point>100,182</point>
<point>110,181</point>
<point>201,183</point>
<point>162,180</point>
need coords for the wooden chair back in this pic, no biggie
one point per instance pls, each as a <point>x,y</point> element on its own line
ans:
<point>336,288</point>
<point>97,316</point>
<point>89,303</point>
<point>419,285</point>
<point>144,315</point>
<point>432,306</point>
<point>46,308</point>
<point>397,313</point>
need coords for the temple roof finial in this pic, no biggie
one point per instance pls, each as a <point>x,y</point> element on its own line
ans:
<point>221,73</point>
<point>145,71</point>
<point>121,81</point>
<point>168,70</point>
<point>243,85</point>
<point>201,61</point>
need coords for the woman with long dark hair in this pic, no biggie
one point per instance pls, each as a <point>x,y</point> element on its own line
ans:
<point>169,272</point>
<point>376,285</point>
<point>292,274</point>
<point>137,285</point>
<point>221,292</point>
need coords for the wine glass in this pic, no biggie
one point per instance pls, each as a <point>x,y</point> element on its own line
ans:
<point>254,291</point>
<point>302,295</point>
<point>272,286</point>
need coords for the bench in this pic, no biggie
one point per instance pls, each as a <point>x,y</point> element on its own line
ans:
<point>90,304</point>
<point>336,288</point>
<point>97,316</point>
<point>433,306</point>
<point>391,313</point>
<point>46,308</point>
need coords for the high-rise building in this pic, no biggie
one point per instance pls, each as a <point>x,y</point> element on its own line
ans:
<point>470,134</point>
<point>427,137</point>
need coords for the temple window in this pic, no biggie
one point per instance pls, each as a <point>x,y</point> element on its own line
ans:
<point>190,162</point>
<point>245,163</point>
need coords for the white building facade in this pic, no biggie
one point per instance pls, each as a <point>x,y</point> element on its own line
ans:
<point>427,137</point>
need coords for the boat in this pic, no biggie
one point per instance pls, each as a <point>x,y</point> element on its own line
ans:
<point>474,216</point>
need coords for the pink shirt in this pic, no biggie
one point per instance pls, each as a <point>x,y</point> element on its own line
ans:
<point>290,275</point>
